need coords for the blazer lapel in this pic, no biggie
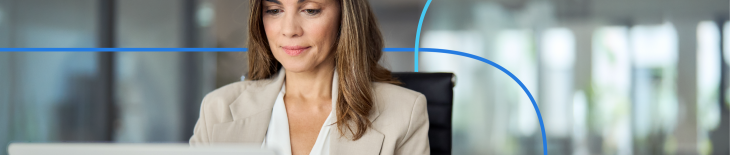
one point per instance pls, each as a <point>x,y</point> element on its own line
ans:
<point>251,130</point>
<point>369,144</point>
<point>251,112</point>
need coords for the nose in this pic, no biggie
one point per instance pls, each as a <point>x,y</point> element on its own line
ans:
<point>291,26</point>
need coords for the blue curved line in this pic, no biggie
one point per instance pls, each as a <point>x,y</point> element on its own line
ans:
<point>418,36</point>
<point>415,66</point>
<point>534,104</point>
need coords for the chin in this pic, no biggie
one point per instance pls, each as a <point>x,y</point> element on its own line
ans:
<point>296,68</point>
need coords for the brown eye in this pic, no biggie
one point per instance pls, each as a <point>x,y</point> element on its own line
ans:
<point>312,11</point>
<point>273,11</point>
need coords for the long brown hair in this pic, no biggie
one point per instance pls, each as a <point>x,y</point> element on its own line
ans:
<point>357,51</point>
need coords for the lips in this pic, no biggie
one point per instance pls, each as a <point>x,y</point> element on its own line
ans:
<point>295,50</point>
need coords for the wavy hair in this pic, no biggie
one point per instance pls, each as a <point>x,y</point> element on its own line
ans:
<point>357,51</point>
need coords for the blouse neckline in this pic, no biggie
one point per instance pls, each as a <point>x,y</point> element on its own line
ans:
<point>277,135</point>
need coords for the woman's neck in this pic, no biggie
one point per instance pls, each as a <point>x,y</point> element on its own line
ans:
<point>315,84</point>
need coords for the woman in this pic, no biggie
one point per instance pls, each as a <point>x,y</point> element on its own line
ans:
<point>314,86</point>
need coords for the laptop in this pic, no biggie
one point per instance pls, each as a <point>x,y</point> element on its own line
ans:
<point>135,149</point>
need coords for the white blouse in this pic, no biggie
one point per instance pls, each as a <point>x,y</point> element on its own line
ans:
<point>277,135</point>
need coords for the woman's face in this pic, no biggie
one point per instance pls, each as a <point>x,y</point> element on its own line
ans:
<point>301,33</point>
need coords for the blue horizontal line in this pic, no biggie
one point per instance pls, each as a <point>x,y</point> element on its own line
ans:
<point>152,49</point>
<point>123,49</point>
<point>399,49</point>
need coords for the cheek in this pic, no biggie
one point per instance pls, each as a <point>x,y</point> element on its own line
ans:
<point>271,28</point>
<point>323,32</point>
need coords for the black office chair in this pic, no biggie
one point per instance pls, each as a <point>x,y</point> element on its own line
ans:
<point>438,89</point>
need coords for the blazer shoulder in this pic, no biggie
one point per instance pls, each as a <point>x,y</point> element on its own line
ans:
<point>381,88</point>
<point>403,117</point>
<point>216,104</point>
<point>392,96</point>
<point>230,92</point>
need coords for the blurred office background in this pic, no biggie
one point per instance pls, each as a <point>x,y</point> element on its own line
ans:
<point>623,77</point>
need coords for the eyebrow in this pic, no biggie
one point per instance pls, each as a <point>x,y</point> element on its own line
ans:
<point>277,1</point>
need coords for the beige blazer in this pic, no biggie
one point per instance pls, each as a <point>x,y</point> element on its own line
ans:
<point>240,112</point>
